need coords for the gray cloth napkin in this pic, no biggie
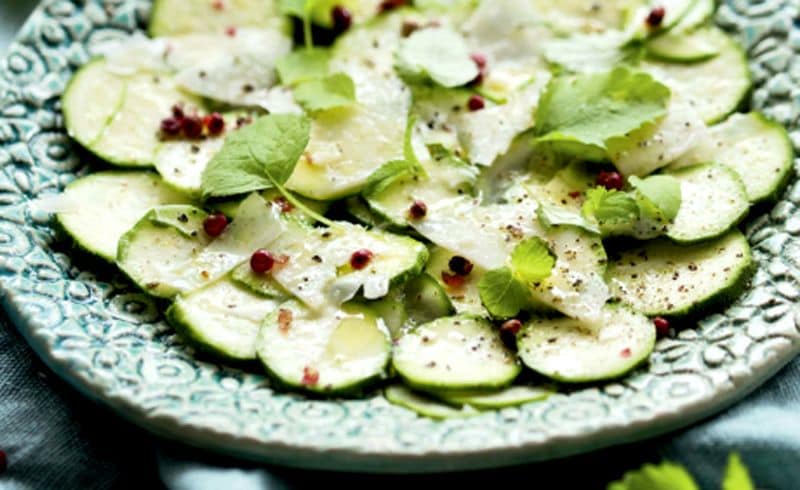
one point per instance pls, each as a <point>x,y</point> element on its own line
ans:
<point>56,439</point>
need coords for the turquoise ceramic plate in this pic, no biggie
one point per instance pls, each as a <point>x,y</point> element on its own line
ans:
<point>108,340</point>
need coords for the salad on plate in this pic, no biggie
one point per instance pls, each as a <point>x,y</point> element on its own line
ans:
<point>467,204</point>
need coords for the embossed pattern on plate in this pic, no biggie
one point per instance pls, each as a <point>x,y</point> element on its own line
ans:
<point>109,340</point>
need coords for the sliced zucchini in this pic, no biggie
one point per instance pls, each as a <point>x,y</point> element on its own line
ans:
<point>446,179</point>
<point>566,350</point>
<point>583,15</point>
<point>674,12</point>
<point>713,200</point>
<point>167,252</point>
<point>333,351</point>
<point>392,310</point>
<point>663,279</point>
<point>318,271</point>
<point>222,319</point>
<point>686,47</point>
<point>347,145</point>
<point>261,284</point>
<point>494,400</point>
<point>98,209</point>
<point>699,14</point>
<point>455,353</point>
<point>576,286</point>
<point>125,112</point>
<point>231,208</point>
<point>758,149</point>
<point>464,295</point>
<point>425,405</point>
<point>657,145</point>
<point>176,17</point>
<point>713,88</point>
<point>427,300</point>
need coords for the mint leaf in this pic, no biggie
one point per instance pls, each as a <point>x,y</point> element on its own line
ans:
<point>531,260</point>
<point>610,207</point>
<point>666,476</point>
<point>337,90</point>
<point>303,64</point>
<point>436,54</point>
<point>502,294</point>
<point>550,215</point>
<point>577,111</point>
<point>736,475</point>
<point>661,191</point>
<point>259,156</point>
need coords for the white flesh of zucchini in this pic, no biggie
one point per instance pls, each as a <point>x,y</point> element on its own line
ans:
<point>565,350</point>
<point>713,200</point>
<point>661,278</point>
<point>758,149</point>
<point>455,353</point>
<point>222,318</point>
<point>98,209</point>
<point>330,351</point>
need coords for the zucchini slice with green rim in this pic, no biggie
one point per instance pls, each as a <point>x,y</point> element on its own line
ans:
<point>427,300</point>
<point>334,351</point>
<point>222,319</point>
<point>566,350</point>
<point>168,252</point>
<point>98,209</point>
<point>318,270</point>
<point>455,353</point>
<point>687,47</point>
<point>714,88</point>
<point>176,17</point>
<point>493,400</point>
<point>758,149</point>
<point>661,278</point>
<point>425,405</point>
<point>713,200</point>
<point>262,284</point>
<point>121,124</point>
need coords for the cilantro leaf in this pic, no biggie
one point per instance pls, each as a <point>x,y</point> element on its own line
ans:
<point>610,207</point>
<point>736,475</point>
<point>550,215</point>
<point>531,260</point>
<point>437,54</point>
<point>661,191</point>
<point>666,476</point>
<point>333,91</point>
<point>587,110</point>
<point>259,156</point>
<point>303,64</point>
<point>502,294</point>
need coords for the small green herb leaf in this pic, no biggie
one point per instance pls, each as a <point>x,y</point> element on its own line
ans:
<point>502,294</point>
<point>663,191</point>
<point>326,93</point>
<point>386,175</point>
<point>666,476</point>
<point>302,65</point>
<point>610,206</point>
<point>436,54</point>
<point>550,215</point>
<point>580,111</point>
<point>736,475</point>
<point>259,156</point>
<point>531,260</point>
